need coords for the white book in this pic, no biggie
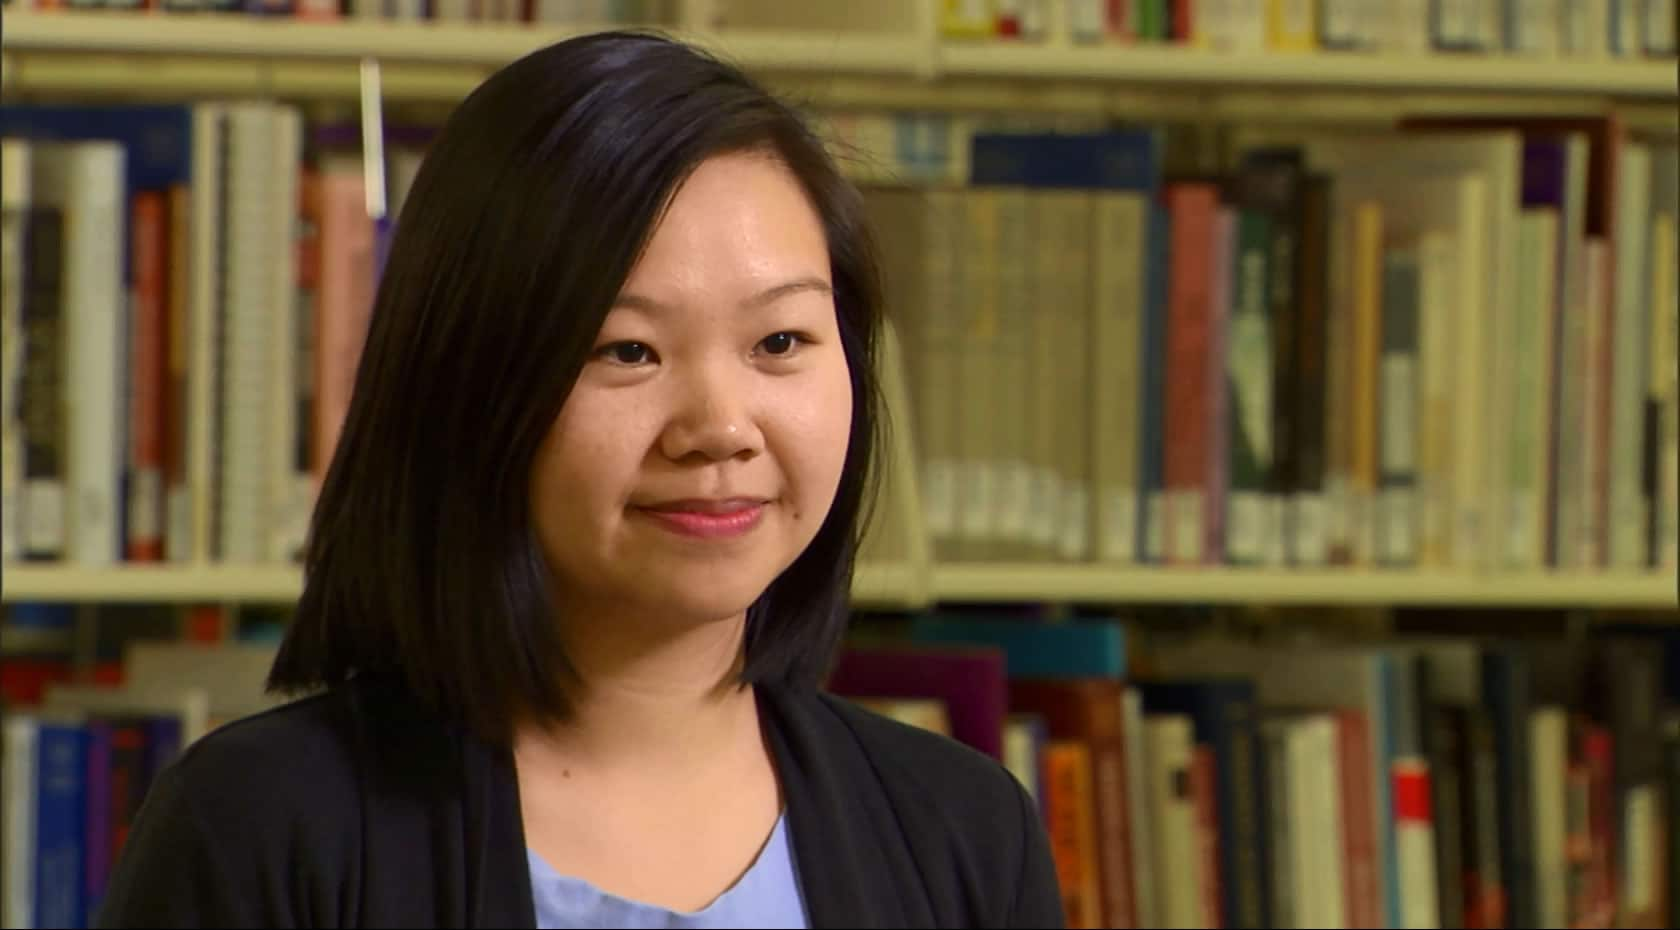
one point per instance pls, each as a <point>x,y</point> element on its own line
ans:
<point>1664,392</point>
<point>1173,804</point>
<point>87,178</point>
<point>192,506</point>
<point>1013,415</point>
<point>1590,445</point>
<point>1116,425</point>
<point>1629,517</point>
<point>247,456</point>
<point>14,204</point>
<point>17,819</point>
<point>1314,794</point>
<point>1524,524</point>
<point>289,489</point>
<point>1549,799</point>
<point>1140,810</point>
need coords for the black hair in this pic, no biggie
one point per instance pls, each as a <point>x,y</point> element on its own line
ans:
<point>527,214</point>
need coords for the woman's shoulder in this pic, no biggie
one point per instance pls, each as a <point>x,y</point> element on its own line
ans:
<point>929,770</point>
<point>303,742</point>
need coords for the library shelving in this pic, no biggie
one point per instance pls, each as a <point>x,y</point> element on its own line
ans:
<point>146,53</point>
<point>890,585</point>
<point>883,584</point>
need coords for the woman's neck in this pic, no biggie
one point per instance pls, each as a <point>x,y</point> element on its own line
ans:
<point>650,703</point>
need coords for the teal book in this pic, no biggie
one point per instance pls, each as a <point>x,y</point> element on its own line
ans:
<point>1035,649</point>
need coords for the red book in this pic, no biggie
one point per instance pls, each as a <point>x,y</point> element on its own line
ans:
<point>1202,782</point>
<point>1359,834</point>
<point>1192,207</point>
<point>969,679</point>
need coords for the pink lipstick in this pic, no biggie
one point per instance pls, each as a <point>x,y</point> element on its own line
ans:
<point>708,519</point>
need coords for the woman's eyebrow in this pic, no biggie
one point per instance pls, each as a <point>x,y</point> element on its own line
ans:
<point>763,298</point>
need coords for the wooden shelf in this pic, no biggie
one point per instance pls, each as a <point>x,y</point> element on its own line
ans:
<point>874,586</point>
<point>1283,587</point>
<point>1348,71</point>
<point>900,586</point>
<point>154,53</point>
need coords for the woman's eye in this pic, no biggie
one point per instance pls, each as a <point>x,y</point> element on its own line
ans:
<point>626,353</point>
<point>781,343</point>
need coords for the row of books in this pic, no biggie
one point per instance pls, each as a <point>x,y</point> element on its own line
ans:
<point>1451,345</point>
<point>83,738</point>
<point>601,13</point>
<point>1557,28</point>
<point>1585,28</point>
<point>185,292</point>
<point>1402,781</point>
<point>1111,356</point>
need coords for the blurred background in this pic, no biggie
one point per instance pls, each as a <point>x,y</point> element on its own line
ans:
<point>1285,433</point>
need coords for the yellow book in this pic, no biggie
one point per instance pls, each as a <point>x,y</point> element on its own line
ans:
<point>968,19</point>
<point>1292,25</point>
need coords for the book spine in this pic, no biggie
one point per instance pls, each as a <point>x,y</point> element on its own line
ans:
<point>1216,456</point>
<point>1203,775</point>
<point>1397,531</point>
<point>44,380</point>
<point>1359,836</point>
<point>14,211</point>
<point>936,383</point>
<point>1249,374</point>
<point>148,376</point>
<point>1117,373</point>
<point>1629,510</point>
<point>1365,366</point>
<point>1152,533</point>
<point>1072,259</point>
<point>1195,208</point>
<point>1309,523</point>
<point>1524,544</point>
<point>1012,416</point>
<point>1436,399</point>
<point>1072,830</point>
<point>60,825</point>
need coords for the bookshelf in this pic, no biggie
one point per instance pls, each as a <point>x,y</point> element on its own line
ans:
<point>1292,587</point>
<point>141,53</point>
<point>877,584</point>
<point>888,585</point>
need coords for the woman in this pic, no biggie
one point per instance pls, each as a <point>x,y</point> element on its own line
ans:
<point>583,555</point>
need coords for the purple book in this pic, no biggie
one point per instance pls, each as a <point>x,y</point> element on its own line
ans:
<point>970,680</point>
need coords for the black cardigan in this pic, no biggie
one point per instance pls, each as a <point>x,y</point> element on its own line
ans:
<point>353,808</point>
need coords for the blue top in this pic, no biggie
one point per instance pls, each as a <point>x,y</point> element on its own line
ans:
<point>766,896</point>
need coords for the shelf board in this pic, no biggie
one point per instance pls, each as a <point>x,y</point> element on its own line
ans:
<point>241,54</point>
<point>1366,71</point>
<point>875,585</point>
<point>897,586</point>
<point>155,53</point>
<point>1286,587</point>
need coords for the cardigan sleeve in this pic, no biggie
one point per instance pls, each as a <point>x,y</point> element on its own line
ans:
<point>1038,895</point>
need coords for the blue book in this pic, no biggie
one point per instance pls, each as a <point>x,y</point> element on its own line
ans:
<point>1224,715</point>
<point>1077,649</point>
<point>157,137</point>
<point>1113,160</point>
<point>61,825</point>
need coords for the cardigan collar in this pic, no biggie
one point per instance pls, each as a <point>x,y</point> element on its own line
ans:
<point>848,876</point>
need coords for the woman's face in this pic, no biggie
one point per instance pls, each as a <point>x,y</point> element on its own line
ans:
<point>701,448</point>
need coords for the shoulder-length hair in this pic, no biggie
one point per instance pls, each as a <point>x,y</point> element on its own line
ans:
<point>527,214</point>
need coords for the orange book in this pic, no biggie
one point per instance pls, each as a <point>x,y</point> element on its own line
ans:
<point>1071,822</point>
<point>1090,711</point>
<point>148,376</point>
